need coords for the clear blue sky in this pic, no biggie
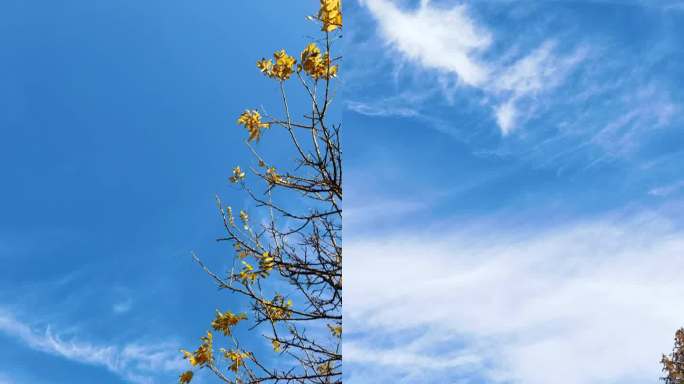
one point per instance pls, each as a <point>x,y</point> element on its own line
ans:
<point>118,128</point>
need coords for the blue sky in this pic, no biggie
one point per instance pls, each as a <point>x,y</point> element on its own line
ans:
<point>118,130</point>
<point>514,184</point>
<point>515,190</point>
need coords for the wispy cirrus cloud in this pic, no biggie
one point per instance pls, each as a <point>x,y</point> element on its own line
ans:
<point>666,190</point>
<point>557,95</point>
<point>532,75</point>
<point>388,108</point>
<point>137,363</point>
<point>591,301</point>
<point>542,274</point>
<point>450,40</point>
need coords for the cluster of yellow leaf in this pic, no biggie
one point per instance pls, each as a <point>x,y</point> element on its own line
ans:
<point>330,14</point>
<point>266,264</point>
<point>240,251</point>
<point>273,177</point>
<point>229,213</point>
<point>313,62</point>
<point>238,175</point>
<point>247,275</point>
<point>336,330</point>
<point>186,377</point>
<point>225,321</point>
<point>204,354</point>
<point>237,359</point>
<point>244,217</point>
<point>281,69</point>
<point>278,309</point>
<point>324,369</point>
<point>316,65</point>
<point>251,119</point>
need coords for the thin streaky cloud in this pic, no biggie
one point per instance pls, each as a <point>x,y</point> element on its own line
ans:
<point>137,363</point>
<point>566,265</point>
<point>592,306</point>
<point>374,109</point>
<point>666,190</point>
<point>450,40</point>
<point>580,101</point>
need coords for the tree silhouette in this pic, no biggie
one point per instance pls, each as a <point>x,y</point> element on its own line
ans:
<point>289,265</point>
<point>673,365</point>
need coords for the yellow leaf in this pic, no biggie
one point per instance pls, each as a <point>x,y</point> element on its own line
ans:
<point>281,67</point>
<point>330,14</point>
<point>225,321</point>
<point>335,330</point>
<point>238,175</point>
<point>244,217</point>
<point>237,359</point>
<point>251,120</point>
<point>204,354</point>
<point>317,65</point>
<point>185,377</point>
<point>265,66</point>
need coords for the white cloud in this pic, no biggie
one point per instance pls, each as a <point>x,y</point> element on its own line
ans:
<point>645,110</point>
<point>136,363</point>
<point>450,40</point>
<point>666,190</point>
<point>122,306</point>
<point>382,208</point>
<point>592,302</point>
<point>538,71</point>
<point>372,109</point>
<point>442,39</point>
<point>505,116</point>
<point>403,357</point>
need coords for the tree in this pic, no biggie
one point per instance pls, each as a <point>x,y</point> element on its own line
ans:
<point>289,266</point>
<point>673,365</point>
